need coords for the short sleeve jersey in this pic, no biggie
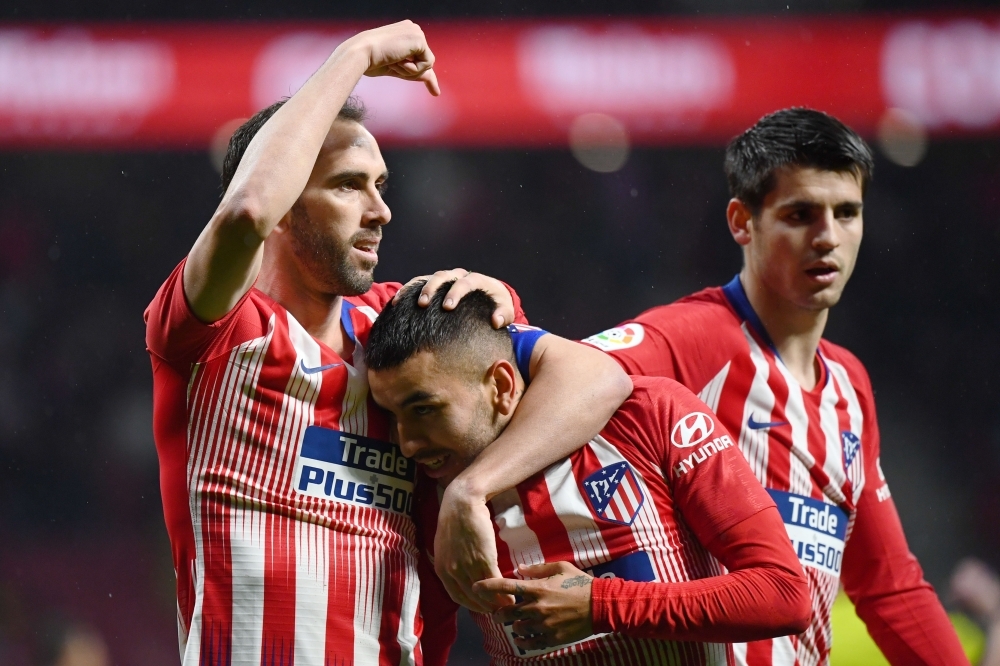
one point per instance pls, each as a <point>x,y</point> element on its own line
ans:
<point>815,450</point>
<point>638,502</point>
<point>288,508</point>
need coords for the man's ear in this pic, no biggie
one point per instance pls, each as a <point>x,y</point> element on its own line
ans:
<point>739,218</point>
<point>504,378</point>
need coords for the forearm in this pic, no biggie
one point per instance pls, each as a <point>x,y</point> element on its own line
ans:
<point>751,604</point>
<point>911,627</point>
<point>280,158</point>
<point>884,580</point>
<point>573,393</point>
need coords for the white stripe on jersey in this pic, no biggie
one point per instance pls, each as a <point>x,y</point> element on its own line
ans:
<point>509,518</point>
<point>782,650</point>
<point>713,390</point>
<point>759,405</point>
<point>584,535</point>
<point>247,543</point>
<point>801,460</point>
<point>830,425</point>
<point>312,571</point>
<point>354,416</point>
<point>740,652</point>
<point>406,635</point>
<point>856,471</point>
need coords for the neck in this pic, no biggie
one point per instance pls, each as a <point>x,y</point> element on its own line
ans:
<point>317,311</point>
<point>795,331</point>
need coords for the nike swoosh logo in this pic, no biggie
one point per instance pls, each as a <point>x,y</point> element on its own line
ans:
<point>318,368</point>
<point>757,425</point>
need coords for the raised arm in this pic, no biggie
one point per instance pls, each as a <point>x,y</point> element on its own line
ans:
<point>574,390</point>
<point>226,258</point>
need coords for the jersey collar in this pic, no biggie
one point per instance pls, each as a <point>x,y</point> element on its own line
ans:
<point>737,297</point>
<point>345,319</point>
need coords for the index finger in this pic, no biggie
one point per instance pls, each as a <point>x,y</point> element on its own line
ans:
<point>395,299</point>
<point>430,80</point>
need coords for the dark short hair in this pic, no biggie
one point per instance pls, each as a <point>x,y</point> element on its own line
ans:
<point>353,109</point>
<point>405,329</point>
<point>793,137</point>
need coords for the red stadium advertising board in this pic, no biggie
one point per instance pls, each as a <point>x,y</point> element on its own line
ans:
<point>504,83</point>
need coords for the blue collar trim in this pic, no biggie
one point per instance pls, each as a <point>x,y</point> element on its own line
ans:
<point>737,297</point>
<point>345,319</point>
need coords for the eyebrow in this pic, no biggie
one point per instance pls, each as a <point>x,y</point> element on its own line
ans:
<point>416,396</point>
<point>363,175</point>
<point>805,203</point>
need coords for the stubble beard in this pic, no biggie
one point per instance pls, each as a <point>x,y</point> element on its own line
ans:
<point>483,432</point>
<point>328,260</point>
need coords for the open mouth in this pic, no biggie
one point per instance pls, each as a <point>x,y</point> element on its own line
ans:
<point>823,273</point>
<point>369,248</point>
<point>433,463</point>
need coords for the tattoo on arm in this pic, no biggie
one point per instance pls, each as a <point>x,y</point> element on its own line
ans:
<point>576,581</point>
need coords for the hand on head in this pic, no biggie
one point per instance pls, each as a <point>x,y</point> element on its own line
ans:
<point>465,282</point>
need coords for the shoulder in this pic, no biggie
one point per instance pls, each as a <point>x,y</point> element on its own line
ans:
<point>838,358</point>
<point>655,400</point>
<point>377,296</point>
<point>693,319</point>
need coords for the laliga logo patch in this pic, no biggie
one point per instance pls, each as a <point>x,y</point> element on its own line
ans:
<point>614,493</point>
<point>692,430</point>
<point>621,337</point>
<point>851,446</point>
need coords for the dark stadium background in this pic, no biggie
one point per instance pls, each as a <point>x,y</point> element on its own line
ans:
<point>87,237</point>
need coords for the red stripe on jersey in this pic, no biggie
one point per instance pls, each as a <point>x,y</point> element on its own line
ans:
<point>217,597</point>
<point>343,591</point>
<point>541,518</point>
<point>278,639</point>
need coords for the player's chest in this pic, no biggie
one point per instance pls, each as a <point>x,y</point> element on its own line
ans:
<point>601,511</point>
<point>808,442</point>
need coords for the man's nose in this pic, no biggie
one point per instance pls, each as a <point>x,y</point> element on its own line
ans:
<point>826,237</point>
<point>378,212</point>
<point>409,443</point>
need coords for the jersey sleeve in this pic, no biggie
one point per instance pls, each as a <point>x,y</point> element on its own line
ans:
<point>176,335</point>
<point>763,595</point>
<point>884,580</point>
<point>524,338</point>
<point>704,466</point>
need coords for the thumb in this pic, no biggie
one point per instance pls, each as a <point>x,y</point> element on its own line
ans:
<point>501,586</point>
<point>543,570</point>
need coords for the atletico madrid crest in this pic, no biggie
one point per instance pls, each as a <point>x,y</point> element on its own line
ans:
<point>614,493</point>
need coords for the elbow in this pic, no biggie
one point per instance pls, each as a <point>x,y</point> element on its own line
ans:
<point>799,606</point>
<point>243,215</point>
<point>617,385</point>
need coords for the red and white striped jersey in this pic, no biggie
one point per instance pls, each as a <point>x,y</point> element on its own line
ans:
<point>815,450</point>
<point>287,507</point>
<point>628,504</point>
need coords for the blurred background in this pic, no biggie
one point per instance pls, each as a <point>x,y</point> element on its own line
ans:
<point>576,153</point>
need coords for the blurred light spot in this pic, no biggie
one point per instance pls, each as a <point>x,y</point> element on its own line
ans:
<point>599,141</point>
<point>220,142</point>
<point>902,137</point>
